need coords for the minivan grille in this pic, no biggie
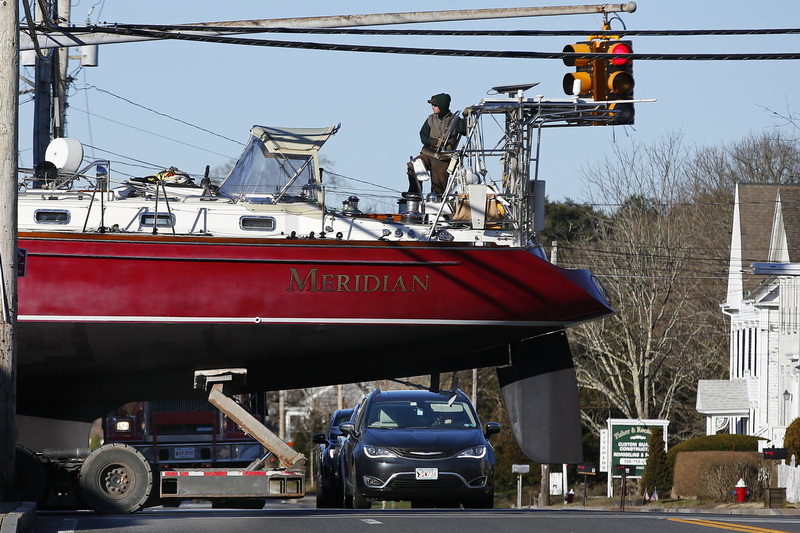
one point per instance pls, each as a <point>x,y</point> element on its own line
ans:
<point>424,454</point>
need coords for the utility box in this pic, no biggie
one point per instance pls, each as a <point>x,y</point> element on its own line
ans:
<point>775,498</point>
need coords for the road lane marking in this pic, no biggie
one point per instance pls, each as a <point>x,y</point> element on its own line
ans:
<point>371,521</point>
<point>727,525</point>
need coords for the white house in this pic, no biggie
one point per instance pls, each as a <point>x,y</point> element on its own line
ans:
<point>761,395</point>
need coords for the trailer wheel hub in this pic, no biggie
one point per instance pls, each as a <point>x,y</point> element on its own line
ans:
<point>117,481</point>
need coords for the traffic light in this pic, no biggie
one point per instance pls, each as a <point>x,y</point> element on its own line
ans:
<point>619,81</point>
<point>584,70</point>
<point>603,79</point>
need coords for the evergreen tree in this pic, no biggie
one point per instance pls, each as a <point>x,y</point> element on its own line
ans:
<point>656,474</point>
<point>791,441</point>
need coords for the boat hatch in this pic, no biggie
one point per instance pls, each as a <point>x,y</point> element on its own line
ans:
<point>52,216</point>
<point>257,223</point>
<point>161,220</point>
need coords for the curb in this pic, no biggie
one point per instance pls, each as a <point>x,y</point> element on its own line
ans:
<point>22,519</point>
<point>732,511</point>
<point>774,511</point>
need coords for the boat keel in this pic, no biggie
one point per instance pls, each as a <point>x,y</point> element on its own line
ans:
<point>541,395</point>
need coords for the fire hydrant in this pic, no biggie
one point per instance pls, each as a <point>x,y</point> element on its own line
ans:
<point>741,491</point>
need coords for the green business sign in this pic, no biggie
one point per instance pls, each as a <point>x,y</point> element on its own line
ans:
<point>629,442</point>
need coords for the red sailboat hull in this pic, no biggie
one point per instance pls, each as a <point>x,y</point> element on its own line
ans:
<point>124,317</point>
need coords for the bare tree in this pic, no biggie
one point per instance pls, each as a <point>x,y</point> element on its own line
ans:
<point>644,361</point>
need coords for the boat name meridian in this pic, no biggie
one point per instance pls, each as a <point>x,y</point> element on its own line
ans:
<point>314,281</point>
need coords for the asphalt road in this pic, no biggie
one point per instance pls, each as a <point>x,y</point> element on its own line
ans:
<point>302,518</point>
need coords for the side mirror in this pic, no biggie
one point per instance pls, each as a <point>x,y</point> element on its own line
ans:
<point>348,428</point>
<point>491,429</point>
<point>319,438</point>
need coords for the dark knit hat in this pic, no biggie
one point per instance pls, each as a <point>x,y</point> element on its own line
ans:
<point>442,100</point>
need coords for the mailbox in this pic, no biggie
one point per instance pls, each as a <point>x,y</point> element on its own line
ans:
<point>775,453</point>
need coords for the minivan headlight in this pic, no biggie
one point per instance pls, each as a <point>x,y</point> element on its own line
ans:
<point>476,452</point>
<point>376,452</point>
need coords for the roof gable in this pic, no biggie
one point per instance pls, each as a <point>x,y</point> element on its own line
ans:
<point>722,397</point>
<point>767,230</point>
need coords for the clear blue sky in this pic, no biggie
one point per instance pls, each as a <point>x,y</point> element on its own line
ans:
<point>380,99</point>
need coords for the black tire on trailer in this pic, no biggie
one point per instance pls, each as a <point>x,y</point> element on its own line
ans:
<point>116,479</point>
<point>30,476</point>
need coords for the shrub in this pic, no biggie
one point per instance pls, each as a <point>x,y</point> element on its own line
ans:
<point>712,475</point>
<point>723,443</point>
<point>656,474</point>
<point>791,441</point>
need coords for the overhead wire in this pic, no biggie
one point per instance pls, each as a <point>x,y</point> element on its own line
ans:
<point>452,33</point>
<point>448,52</point>
<point>165,115</point>
<point>150,132</point>
<point>169,32</point>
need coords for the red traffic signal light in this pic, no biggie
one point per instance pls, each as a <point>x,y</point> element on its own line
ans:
<point>620,47</point>
<point>619,82</point>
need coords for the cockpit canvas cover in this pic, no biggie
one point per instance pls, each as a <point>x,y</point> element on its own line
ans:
<point>278,164</point>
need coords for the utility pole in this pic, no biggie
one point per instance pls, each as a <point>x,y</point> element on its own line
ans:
<point>50,100</point>
<point>9,143</point>
<point>60,76</point>
<point>42,98</point>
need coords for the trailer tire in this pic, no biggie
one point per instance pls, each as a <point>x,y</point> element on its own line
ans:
<point>116,479</point>
<point>30,476</point>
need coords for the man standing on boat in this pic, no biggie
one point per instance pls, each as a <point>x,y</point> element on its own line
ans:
<point>439,135</point>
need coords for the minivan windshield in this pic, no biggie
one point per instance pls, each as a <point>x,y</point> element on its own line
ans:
<point>420,414</point>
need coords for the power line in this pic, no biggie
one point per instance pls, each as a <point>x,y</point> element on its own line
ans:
<point>457,33</point>
<point>165,115</point>
<point>150,132</point>
<point>433,51</point>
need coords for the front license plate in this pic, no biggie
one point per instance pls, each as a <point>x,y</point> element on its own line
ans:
<point>184,453</point>
<point>427,473</point>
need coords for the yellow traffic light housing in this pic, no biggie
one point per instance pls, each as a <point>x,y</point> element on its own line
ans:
<point>603,79</point>
<point>584,70</point>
